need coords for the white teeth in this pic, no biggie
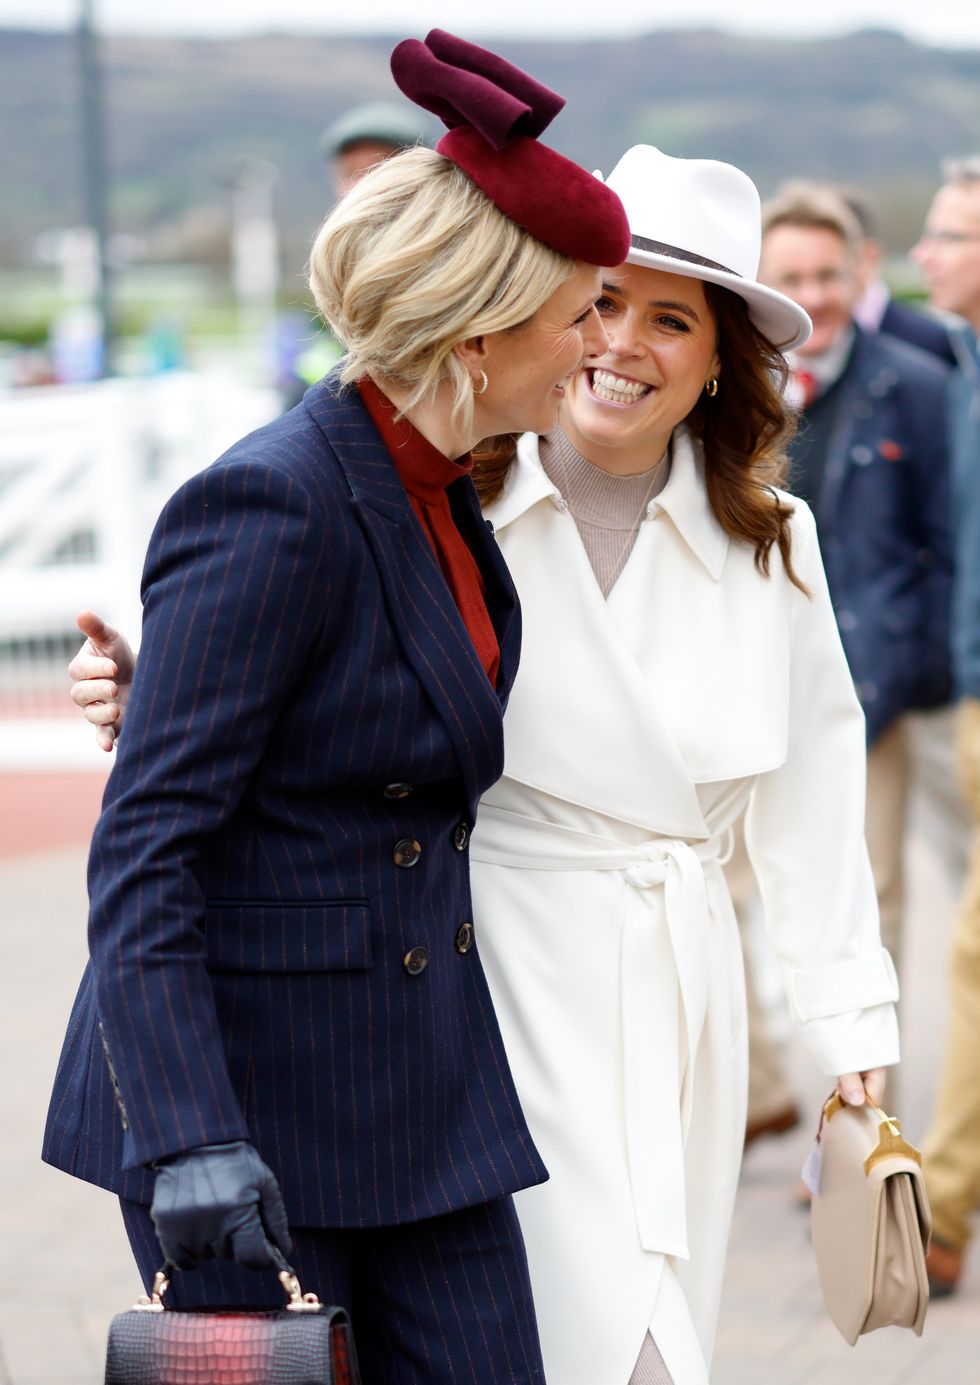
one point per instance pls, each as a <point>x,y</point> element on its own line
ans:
<point>616,389</point>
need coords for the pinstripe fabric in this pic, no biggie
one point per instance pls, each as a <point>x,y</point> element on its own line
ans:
<point>446,1300</point>
<point>248,922</point>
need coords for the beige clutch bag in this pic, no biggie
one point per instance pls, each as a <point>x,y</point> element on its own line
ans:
<point>871,1221</point>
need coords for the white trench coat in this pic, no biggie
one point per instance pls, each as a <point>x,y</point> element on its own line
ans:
<point>637,731</point>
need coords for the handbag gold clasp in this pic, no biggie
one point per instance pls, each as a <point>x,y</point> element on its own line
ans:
<point>890,1144</point>
<point>153,1303</point>
<point>298,1301</point>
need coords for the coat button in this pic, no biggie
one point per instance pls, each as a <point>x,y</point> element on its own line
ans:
<point>415,961</point>
<point>397,790</point>
<point>406,853</point>
<point>461,837</point>
<point>464,938</point>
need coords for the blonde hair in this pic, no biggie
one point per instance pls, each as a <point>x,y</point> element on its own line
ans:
<point>415,259</point>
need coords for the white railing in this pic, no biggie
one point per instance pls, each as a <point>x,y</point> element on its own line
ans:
<point>84,472</point>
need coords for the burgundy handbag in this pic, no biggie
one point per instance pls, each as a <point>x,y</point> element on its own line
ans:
<point>304,1343</point>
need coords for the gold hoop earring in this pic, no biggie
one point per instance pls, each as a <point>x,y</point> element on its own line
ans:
<point>711,386</point>
<point>483,387</point>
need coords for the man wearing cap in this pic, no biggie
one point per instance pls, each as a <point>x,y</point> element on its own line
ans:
<point>355,142</point>
<point>949,254</point>
<point>870,457</point>
<point>364,136</point>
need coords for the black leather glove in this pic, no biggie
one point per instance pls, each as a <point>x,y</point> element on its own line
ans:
<point>218,1201</point>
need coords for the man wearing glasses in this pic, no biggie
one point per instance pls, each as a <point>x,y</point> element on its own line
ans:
<point>949,254</point>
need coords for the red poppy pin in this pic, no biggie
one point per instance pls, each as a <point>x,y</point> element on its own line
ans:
<point>890,450</point>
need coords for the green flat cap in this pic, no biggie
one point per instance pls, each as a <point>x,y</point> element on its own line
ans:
<point>379,122</point>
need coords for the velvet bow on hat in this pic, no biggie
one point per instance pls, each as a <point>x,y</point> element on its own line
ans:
<point>494,112</point>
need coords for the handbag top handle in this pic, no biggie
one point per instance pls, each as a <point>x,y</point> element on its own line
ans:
<point>890,1144</point>
<point>298,1302</point>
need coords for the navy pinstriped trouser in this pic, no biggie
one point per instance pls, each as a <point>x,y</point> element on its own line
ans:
<point>437,1301</point>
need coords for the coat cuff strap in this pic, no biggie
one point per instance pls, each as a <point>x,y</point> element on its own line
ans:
<point>817,992</point>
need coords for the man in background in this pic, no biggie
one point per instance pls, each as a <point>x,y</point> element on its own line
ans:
<point>355,142</point>
<point>365,136</point>
<point>946,823</point>
<point>949,255</point>
<point>870,457</point>
<point>876,309</point>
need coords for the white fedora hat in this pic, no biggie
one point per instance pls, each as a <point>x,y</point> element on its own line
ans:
<point>702,219</point>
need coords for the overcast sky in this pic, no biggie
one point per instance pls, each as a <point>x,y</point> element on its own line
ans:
<point>954,23</point>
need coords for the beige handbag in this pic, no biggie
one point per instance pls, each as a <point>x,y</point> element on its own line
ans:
<point>870,1219</point>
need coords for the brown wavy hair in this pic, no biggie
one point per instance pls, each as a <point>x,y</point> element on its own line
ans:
<point>743,431</point>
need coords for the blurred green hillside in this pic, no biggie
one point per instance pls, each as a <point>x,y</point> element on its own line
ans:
<point>872,108</point>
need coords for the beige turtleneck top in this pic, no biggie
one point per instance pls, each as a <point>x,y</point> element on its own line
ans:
<point>607,509</point>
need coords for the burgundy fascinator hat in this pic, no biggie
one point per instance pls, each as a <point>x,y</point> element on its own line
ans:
<point>495,113</point>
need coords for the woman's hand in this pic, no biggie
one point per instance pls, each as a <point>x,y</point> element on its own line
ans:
<point>101,674</point>
<point>218,1201</point>
<point>853,1085</point>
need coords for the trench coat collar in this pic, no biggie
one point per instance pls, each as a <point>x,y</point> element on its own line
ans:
<point>684,499</point>
<point>575,659</point>
<point>427,622</point>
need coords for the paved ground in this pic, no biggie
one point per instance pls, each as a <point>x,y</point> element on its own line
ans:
<point>64,1263</point>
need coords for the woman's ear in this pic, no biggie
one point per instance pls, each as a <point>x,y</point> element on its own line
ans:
<point>472,353</point>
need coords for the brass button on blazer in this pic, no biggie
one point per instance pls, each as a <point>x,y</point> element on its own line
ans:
<point>416,961</point>
<point>407,853</point>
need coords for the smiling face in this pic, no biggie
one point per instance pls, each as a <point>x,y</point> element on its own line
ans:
<point>528,368</point>
<point>662,347</point>
<point>814,266</point>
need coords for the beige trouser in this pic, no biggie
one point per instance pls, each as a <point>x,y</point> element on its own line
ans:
<point>888,787</point>
<point>952,1147</point>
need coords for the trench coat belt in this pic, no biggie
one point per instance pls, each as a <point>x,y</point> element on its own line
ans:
<point>657,1104</point>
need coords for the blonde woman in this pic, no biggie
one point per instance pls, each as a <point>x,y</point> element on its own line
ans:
<point>284,1034</point>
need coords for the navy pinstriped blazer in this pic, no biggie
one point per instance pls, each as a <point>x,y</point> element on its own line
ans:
<point>308,707</point>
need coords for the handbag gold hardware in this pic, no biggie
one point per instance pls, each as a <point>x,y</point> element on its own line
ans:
<point>298,1301</point>
<point>153,1303</point>
<point>890,1143</point>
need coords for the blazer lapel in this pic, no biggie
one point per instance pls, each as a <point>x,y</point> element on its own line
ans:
<point>839,448</point>
<point>423,614</point>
